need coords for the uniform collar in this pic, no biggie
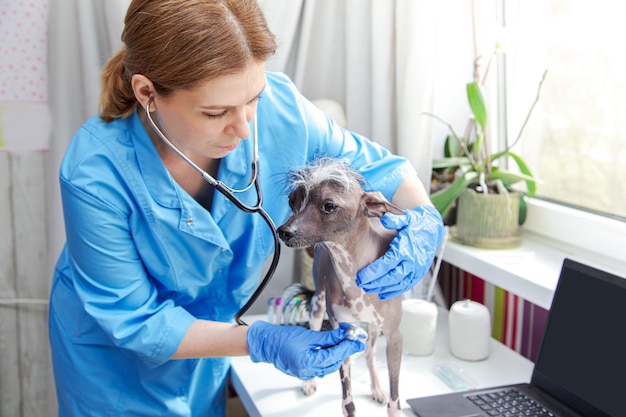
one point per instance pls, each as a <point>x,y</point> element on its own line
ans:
<point>159,182</point>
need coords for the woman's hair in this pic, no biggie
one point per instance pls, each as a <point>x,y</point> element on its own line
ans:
<point>179,44</point>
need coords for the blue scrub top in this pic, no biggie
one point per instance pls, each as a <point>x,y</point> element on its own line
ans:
<point>143,259</point>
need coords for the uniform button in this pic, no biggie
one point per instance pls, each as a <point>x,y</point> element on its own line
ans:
<point>189,221</point>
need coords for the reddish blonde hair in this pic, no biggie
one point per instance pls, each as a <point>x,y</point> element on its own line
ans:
<point>179,44</point>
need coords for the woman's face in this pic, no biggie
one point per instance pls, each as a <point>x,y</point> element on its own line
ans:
<point>210,120</point>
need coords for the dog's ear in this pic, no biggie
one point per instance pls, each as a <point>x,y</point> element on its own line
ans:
<point>375,204</point>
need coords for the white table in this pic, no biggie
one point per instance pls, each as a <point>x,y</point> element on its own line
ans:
<point>265,391</point>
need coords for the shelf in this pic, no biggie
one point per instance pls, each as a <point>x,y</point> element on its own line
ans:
<point>530,271</point>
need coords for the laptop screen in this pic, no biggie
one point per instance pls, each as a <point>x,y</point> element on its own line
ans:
<point>582,360</point>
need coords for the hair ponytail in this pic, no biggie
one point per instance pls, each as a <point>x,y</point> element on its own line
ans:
<point>117,98</point>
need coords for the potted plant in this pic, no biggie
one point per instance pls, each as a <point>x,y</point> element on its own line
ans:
<point>470,180</point>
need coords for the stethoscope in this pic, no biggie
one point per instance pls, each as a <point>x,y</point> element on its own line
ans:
<point>230,194</point>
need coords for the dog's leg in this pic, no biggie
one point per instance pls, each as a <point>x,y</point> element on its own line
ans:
<point>394,359</point>
<point>378,393</point>
<point>318,309</point>
<point>347,400</point>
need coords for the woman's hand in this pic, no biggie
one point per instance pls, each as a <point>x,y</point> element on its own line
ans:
<point>300,352</point>
<point>410,253</point>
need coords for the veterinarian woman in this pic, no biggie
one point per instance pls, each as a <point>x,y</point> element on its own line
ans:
<point>156,263</point>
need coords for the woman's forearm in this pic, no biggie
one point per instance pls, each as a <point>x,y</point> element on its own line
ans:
<point>213,339</point>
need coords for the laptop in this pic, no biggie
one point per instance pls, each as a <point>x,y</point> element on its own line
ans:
<point>581,364</point>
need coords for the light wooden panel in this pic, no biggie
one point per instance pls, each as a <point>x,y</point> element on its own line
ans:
<point>26,384</point>
<point>10,387</point>
<point>28,194</point>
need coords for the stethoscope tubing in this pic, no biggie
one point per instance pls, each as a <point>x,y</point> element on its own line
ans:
<point>275,258</point>
<point>230,195</point>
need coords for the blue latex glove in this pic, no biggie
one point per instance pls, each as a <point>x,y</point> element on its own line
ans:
<point>410,253</point>
<point>301,352</point>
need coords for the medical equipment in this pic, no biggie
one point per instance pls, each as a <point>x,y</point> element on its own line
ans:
<point>230,194</point>
<point>356,332</point>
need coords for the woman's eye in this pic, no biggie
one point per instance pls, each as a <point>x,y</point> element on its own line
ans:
<point>329,208</point>
<point>216,116</point>
<point>222,114</point>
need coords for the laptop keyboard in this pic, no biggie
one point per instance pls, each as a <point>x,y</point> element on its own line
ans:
<point>509,403</point>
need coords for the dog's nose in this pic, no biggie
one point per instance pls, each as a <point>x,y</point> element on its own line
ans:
<point>285,233</point>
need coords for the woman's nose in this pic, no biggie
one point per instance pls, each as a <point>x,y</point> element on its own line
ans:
<point>240,124</point>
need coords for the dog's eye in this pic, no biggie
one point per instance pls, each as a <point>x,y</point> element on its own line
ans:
<point>329,208</point>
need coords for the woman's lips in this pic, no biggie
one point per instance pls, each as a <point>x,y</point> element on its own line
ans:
<point>229,147</point>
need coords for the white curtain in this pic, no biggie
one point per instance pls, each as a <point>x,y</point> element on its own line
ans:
<point>374,57</point>
<point>81,37</point>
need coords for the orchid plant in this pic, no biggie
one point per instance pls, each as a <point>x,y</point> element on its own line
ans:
<point>467,160</point>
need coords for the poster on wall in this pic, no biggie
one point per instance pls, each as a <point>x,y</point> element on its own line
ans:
<point>24,114</point>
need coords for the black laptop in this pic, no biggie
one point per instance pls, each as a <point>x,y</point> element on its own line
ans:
<point>581,365</point>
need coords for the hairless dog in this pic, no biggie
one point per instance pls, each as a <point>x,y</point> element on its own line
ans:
<point>332,212</point>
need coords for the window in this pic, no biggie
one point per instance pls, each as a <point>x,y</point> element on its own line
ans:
<point>575,138</point>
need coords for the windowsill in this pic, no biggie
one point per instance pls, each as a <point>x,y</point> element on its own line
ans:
<point>532,270</point>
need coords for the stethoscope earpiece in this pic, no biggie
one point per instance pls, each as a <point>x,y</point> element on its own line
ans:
<point>149,104</point>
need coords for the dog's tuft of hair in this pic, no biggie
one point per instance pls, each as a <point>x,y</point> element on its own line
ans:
<point>324,170</point>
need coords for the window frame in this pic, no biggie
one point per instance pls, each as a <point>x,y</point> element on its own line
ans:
<point>596,234</point>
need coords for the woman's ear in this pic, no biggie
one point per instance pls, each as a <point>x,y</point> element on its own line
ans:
<point>143,89</point>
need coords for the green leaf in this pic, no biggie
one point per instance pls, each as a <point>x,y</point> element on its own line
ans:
<point>531,186</point>
<point>443,200</point>
<point>523,211</point>
<point>452,146</point>
<point>509,178</point>
<point>477,104</point>
<point>531,182</point>
<point>450,162</point>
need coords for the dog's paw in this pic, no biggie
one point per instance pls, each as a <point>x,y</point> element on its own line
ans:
<point>309,387</point>
<point>393,408</point>
<point>379,395</point>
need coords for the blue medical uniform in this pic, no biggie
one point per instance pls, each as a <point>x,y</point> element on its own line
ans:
<point>143,259</point>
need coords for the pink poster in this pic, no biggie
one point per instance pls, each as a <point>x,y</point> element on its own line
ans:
<point>24,115</point>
